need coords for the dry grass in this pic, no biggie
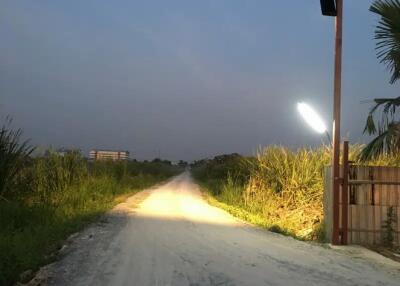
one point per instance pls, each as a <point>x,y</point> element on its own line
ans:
<point>280,189</point>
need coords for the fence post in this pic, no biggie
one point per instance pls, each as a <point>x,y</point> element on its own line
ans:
<point>345,193</point>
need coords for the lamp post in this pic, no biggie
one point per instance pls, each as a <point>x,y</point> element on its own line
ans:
<point>329,8</point>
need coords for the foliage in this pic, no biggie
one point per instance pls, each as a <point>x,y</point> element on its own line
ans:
<point>387,36</point>
<point>13,154</point>
<point>387,129</point>
<point>281,186</point>
<point>50,197</point>
<point>221,167</point>
<point>280,189</point>
<point>55,173</point>
<point>287,187</point>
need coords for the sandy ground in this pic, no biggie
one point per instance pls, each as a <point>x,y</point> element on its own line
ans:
<point>169,235</point>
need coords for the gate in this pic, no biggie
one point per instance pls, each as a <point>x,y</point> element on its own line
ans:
<point>367,195</point>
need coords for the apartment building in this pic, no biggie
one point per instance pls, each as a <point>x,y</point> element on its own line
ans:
<point>108,155</point>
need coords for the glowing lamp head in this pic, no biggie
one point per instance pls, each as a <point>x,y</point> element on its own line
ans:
<point>311,117</point>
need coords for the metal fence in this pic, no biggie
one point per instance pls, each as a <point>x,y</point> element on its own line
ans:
<point>366,196</point>
<point>372,191</point>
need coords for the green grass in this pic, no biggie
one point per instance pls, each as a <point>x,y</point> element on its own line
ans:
<point>55,196</point>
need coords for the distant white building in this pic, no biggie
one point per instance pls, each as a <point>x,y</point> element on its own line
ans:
<point>108,155</point>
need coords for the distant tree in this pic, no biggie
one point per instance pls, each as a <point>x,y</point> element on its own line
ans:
<point>182,163</point>
<point>386,127</point>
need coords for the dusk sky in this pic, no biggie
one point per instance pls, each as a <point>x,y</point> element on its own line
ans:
<point>184,79</point>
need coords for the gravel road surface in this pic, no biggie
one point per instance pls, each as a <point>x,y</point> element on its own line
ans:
<point>169,235</point>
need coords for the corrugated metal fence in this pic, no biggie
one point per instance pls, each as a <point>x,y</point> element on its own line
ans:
<point>371,193</point>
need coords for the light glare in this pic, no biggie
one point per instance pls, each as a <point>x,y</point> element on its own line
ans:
<point>311,117</point>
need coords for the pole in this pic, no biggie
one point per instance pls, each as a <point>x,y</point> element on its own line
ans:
<point>345,194</point>
<point>336,121</point>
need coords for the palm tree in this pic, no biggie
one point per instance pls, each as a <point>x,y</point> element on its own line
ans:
<point>387,127</point>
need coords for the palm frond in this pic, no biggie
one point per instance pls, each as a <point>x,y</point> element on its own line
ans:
<point>370,127</point>
<point>387,34</point>
<point>389,106</point>
<point>387,142</point>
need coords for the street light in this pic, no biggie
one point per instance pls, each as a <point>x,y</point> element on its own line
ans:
<point>313,119</point>
<point>328,8</point>
<point>335,8</point>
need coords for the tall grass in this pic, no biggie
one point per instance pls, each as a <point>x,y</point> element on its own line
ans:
<point>286,187</point>
<point>46,199</point>
<point>279,188</point>
<point>13,154</point>
<point>57,195</point>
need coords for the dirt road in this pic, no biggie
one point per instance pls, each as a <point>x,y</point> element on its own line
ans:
<point>170,236</point>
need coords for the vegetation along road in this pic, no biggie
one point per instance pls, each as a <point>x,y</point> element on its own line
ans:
<point>169,235</point>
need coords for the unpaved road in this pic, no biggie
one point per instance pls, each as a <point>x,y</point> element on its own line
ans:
<point>173,237</point>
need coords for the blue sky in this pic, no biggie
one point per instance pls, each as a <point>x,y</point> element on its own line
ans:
<point>184,79</point>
